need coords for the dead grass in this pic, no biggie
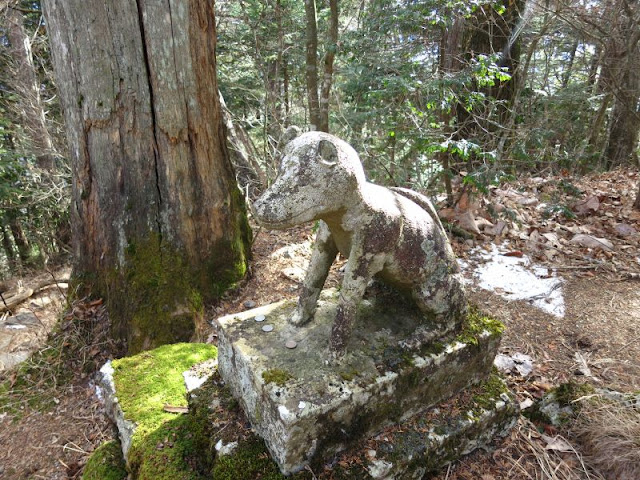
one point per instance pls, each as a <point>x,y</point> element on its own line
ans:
<point>609,432</point>
<point>544,457</point>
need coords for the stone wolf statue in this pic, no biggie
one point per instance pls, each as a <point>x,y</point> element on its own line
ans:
<point>391,233</point>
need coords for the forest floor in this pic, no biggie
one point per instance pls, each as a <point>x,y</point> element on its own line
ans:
<point>583,230</point>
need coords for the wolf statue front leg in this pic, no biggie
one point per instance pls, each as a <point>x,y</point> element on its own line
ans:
<point>324,253</point>
<point>359,271</point>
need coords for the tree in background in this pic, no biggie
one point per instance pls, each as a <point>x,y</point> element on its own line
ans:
<point>27,86</point>
<point>319,88</point>
<point>621,77</point>
<point>159,224</point>
<point>261,65</point>
<point>34,176</point>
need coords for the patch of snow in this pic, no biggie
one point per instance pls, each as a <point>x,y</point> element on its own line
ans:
<point>227,449</point>
<point>99,392</point>
<point>380,468</point>
<point>192,381</point>
<point>285,414</point>
<point>198,374</point>
<point>15,327</point>
<point>515,278</point>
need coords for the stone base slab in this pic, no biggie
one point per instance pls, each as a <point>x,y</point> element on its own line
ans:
<point>306,409</point>
<point>443,434</point>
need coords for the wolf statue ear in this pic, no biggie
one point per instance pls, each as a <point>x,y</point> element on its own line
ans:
<point>288,135</point>
<point>327,152</point>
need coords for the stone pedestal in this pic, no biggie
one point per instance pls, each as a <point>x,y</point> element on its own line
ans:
<point>306,409</point>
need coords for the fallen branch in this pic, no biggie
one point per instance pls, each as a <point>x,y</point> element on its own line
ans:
<point>11,302</point>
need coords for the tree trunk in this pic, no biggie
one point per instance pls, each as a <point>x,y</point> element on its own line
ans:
<point>621,77</point>
<point>19,237</point>
<point>159,224</point>
<point>312,63</point>
<point>27,86</point>
<point>450,63</point>
<point>488,32</point>
<point>243,153</point>
<point>569,71</point>
<point>329,57</point>
<point>593,67</point>
<point>624,126</point>
<point>7,244</point>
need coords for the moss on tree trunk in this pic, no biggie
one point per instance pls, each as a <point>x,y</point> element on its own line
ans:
<point>158,297</point>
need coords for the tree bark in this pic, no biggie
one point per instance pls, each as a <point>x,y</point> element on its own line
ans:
<point>7,243</point>
<point>19,237</point>
<point>312,63</point>
<point>329,58</point>
<point>27,86</point>
<point>621,77</point>
<point>158,221</point>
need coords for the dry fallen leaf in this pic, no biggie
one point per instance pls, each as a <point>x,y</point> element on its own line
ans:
<point>467,222</point>
<point>587,206</point>
<point>557,443</point>
<point>590,241</point>
<point>175,409</point>
<point>483,223</point>
<point>497,229</point>
<point>514,253</point>
<point>625,230</point>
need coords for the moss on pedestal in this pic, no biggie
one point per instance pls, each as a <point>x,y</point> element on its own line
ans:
<point>252,460</point>
<point>476,324</point>
<point>106,463</point>
<point>277,376</point>
<point>164,446</point>
<point>423,443</point>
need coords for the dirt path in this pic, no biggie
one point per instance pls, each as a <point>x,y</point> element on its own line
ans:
<point>27,329</point>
